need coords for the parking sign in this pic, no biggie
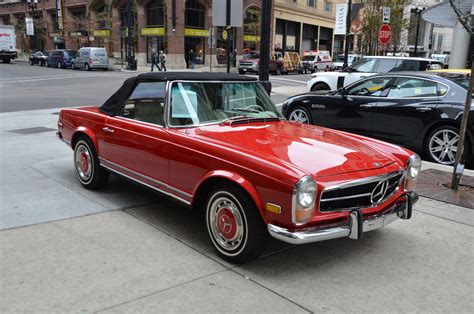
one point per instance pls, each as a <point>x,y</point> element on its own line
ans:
<point>386,15</point>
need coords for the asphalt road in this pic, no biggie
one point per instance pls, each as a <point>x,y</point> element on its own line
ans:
<point>44,88</point>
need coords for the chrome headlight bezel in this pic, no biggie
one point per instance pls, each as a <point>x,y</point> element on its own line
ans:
<point>301,202</point>
<point>413,167</point>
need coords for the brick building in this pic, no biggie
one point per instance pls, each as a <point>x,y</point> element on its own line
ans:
<point>297,25</point>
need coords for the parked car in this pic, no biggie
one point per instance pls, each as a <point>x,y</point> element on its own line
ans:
<point>60,58</point>
<point>249,63</point>
<point>419,110</point>
<point>367,66</point>
<point>316,60</point>
<point>216,142</point>
<point>38,58</point>
<point>7,43</point>
<point>339,62</point>
<point>89,58</point>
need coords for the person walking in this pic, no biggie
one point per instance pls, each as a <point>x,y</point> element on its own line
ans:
<point>154,60</point>
<point>192,58</point>
<point>162,58</point>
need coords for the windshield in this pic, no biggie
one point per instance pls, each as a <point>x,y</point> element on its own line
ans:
<point>364,65</point>
<point>340,58</point>
<point>308,58</point>
<point>252,55</point>
<point>197,103</point>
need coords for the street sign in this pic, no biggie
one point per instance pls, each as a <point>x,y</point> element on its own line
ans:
<point>211,40</point>
<point>30,29</point>
<point>386,15</point>
<point>224,34</point>
<point>385,33</point>
<point>219,13</point>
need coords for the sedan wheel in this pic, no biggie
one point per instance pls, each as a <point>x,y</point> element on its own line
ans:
<point>234,224</point>
<point>443,144</point>
<point>31,62</point>
<point>59,65</point>
<point>86,162</point>
<point>73,67</point>
<point>301,115</point>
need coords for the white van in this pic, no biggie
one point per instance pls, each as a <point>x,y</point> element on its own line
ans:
<point>89,58</point>
<point>316,60</point>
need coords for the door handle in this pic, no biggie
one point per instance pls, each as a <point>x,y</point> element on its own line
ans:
<point>423,109</point>
<point>108,130</point>
<point>367,106</point>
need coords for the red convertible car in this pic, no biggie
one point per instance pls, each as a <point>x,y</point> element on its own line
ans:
<point>217,143</point>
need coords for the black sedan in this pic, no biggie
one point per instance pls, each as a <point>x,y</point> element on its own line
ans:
<point>38,58</point>
<point>417,110</point>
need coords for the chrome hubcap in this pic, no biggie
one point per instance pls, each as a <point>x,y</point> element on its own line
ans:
<point>83,162</point>
<point>443,146</point>
<point>226,223</point>
<point>299,115</point>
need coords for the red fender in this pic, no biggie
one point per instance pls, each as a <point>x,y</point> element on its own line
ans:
<point>89,133</point>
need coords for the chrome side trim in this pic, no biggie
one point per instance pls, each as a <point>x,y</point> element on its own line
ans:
<point>345,197</point>
<point>104,162</point>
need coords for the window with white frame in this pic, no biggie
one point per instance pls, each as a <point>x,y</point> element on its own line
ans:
<point>312,3</point>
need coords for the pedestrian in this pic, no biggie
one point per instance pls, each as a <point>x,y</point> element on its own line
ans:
<point>192,58</point>
<point>154,60</point>
<point>162,58</point>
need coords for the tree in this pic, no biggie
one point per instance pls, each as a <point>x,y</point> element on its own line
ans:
<point>373,21</point>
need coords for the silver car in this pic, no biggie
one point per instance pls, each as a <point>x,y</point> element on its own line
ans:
<point>89,58</point>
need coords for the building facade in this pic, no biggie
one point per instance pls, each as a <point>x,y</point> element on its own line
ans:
<point>175,26</point>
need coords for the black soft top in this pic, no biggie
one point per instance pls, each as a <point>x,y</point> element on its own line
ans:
<point>110,107</point>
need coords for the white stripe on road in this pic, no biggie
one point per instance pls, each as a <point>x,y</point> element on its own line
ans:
<point>57,77</point>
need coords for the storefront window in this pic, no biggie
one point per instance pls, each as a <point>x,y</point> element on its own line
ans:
<point>197,45</point>
<point>195,14</point>
<point>252,29</point>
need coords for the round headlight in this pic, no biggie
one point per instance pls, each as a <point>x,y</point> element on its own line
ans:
<point>306,192</point>
<point>414,166</point>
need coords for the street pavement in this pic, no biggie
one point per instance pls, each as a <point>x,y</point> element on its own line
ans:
<point>127,249</point>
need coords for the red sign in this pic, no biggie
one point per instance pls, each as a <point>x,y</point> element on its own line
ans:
<point>385,33</point>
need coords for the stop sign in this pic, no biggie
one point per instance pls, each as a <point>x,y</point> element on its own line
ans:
<point>385,33</point>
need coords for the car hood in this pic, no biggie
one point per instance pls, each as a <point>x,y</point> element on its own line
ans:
<point>310,149</point>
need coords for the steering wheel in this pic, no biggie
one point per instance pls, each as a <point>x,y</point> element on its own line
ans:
<point>254,107</point>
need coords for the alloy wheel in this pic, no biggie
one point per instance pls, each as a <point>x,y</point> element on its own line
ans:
<point>443,146</point>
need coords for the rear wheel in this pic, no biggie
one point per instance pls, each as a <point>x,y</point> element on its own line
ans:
<point>86,163</point>
<point>234,224</point>
<point>31,62</point>
<point>87,67</point>
<point>47,64</point>
<point>300,114</point>
<point>59,65</point>
<point>319,86</point>
<point>442,144</point>
<point>73,66</point>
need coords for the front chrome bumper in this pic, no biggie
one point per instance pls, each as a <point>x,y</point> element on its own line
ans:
<point>357,224</point>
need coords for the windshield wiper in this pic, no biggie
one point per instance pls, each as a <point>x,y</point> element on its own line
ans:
<point>234,118</point>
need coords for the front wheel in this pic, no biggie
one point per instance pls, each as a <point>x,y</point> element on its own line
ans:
<point>86,163</point>
<point>87,67</point>
<point>31,62</point>
<point>73,66</point>
<point>300,114</point>
<point>234,224</point>
<point>60,66</point>
<point>47,64</point>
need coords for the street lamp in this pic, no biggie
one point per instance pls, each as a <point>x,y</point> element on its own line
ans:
<point>33,5</point>
<point>417,12</point>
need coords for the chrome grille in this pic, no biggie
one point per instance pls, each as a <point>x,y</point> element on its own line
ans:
<point>367,192</point>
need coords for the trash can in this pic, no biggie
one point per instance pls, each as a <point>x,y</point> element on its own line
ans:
<point>132,64</point>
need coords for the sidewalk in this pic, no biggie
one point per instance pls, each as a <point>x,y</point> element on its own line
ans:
<point>125,249</point>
